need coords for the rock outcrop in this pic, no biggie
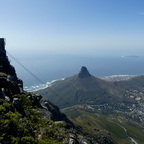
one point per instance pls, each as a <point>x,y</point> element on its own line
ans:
<point>5,66</point>
<point>84,73</point>
<point>36,97</point>
<point>8,77</point>
<point>17,106</point>
<point>54,111</point>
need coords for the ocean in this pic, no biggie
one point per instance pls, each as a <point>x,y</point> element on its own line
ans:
<point>38,72</point>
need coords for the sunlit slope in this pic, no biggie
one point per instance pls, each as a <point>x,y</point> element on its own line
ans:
<point>136,82</point>
<point>82,88</point>
<point>97,122</point>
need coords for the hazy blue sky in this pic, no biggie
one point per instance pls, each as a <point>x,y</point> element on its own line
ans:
<point>73,26</point>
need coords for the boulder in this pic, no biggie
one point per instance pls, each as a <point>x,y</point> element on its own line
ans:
<point>7,99</point>
<point>56,115</point>
<point>72,141</point>
<point>36,97</point>
<point>17,106</point>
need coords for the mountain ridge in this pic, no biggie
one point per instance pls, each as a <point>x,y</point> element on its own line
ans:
<point>82,86</point>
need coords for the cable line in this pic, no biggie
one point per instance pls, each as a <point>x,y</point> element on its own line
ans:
<point>26,68</point>
<point>36,77</point>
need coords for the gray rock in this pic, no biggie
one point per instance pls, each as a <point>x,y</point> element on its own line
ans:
<point>43,113</point>
<point>36,97</point>
<point>55,112</point>
<point>17,106</point>
<point>7,99</point>
<point>2,95</point>
<point>72,141</point>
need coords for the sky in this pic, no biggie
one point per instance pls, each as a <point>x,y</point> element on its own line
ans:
<point>85,27</point>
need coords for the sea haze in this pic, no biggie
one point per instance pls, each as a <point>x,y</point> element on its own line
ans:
<point>48,68</point>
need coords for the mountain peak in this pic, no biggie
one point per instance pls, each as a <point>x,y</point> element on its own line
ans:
<point>84,73</point>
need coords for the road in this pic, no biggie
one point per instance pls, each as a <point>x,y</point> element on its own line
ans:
<point>131,139</point>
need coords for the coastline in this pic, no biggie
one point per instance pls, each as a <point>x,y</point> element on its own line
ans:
<point>106,78</point>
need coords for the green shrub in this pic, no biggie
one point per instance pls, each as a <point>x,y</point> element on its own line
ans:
<point>3,75</point>
<point>28,140</point>
<point>16,129</point>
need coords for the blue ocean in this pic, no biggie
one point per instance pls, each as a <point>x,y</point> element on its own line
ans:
<point>38,72</point>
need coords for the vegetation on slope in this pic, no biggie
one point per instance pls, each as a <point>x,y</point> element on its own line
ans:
<point>29,129</point>
<point>75,90</point>
<point>91,90</point>
<point>98,122</point>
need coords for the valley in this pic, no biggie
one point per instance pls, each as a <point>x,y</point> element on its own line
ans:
<point>122,128</point>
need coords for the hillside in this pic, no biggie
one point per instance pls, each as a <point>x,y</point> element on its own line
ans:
<point>97,122</point>
<point>135,82</point>
<point>83,88</point>
<point>104,110</point>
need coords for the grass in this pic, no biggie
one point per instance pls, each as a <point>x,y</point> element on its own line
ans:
<point>136,131</point>
<point>97,123</point>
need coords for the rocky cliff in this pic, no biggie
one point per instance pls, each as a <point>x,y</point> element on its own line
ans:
<point>8,77</point>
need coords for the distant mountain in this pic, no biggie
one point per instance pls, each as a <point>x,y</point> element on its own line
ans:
<point>118,77</point>
<point>135,82</point>
<point>82,88</point>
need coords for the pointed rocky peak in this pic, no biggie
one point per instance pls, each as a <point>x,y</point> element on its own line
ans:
<point>84,73</point>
